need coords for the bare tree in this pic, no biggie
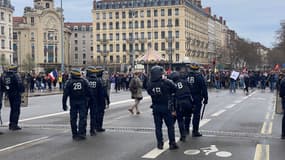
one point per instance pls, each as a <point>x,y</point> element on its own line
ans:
<point>28,63</point>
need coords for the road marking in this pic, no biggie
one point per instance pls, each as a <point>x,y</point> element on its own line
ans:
<point>126,101</point>
<point>267,128</point>
<point>261,152</point>
<point>230,106</point>
<point>156,152</point>
<point>204,122</point>
<point>23,144</point>
<point>267,116</point>
<point>218,113</point>
<point>272,116</point>
<point>264,126</point>
<point>269,131</point>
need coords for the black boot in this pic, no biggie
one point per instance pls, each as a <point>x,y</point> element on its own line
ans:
<point>92,132</point>
<point>173,146</point>
<point>160,145</point>
<point>196,134</point>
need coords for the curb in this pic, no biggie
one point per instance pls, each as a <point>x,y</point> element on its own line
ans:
<point>44,94</point>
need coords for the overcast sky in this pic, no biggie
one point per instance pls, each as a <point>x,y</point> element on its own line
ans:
<point>257,20</point>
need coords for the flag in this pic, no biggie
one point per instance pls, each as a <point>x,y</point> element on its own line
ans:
<point>51,76</point>
<point>277,67</point>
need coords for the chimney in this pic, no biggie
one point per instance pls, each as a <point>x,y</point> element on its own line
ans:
<point>225,22</point>
<point>215,17</point>
<point>221,19</point>
<point>207,10</point>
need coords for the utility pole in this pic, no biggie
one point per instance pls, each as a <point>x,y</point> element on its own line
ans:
<point>62,38</point>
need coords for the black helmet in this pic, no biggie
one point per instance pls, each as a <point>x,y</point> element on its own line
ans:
<point>99,71</point>
<point>91,71</point>
<point>175,76</point>
<point>156,73</point>
<point>12,68</point>
<point>194,66</point>
<point>75,73</point>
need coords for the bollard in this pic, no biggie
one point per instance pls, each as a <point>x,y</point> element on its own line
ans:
<point>278,105</point>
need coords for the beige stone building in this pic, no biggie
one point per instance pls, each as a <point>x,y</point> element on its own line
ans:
<point>81,42</point>
<point>177,29</point>
<point>6,30</point>
<point>37,37</point>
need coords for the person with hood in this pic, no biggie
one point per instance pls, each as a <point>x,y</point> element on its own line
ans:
<point>136,92</point>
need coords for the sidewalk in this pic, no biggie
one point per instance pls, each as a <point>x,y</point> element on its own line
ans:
<point>37,93</point>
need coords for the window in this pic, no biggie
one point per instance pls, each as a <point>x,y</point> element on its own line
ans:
<point>117,25</point>
<point>83,42</point>
<point>177,57</point>
<point>110,15</point>
<point>136,47</point>
<point>97,26</point>
<point>136,35</point>
<point>117,36</point>
<point>177,45</point>
<point>98,60</point>
<point>47,5</point>
<point>162,12</point>
<point>75,42</point>
<point>124,25</point>
<point>117,47</point>
<point>131,36</point>
<point>2,16</point>
<point>10,18</point>
<point>75,56</point>
<point>84,56</point>
<point>104,15</point>
<point>155,23</point>
<point>176,22</point>
<point>162,34</point>
<point>142,35</point>
<point>123,14</point>
<point>97,15</point>
<point>104,37</point>
<point>170,12</point>
<point>142,24</point>
<point>130,24</point>
<point>124,36</point>
<point>75,35</point>
<point>156,46</point>
<point>111,47</point>
<point>169,24</point>
<point>136,24</point>
<point>75,48</point>
<point>117,59</point>
<point>111,59</point>
<point>156,35</point>
<point>91,49</point>
<point>124,47</point>
<point>111,36</point>
<point>2,30</point>
<point>117,15</point>
<point>177,11</point>
<point>142,13</point>
<point>111,25</point>
<point>177,34</point>
<point>3,44</point>
<point>162,23</point>
<point>98,48</point>
<point>149,35</point>
<point>155,12</point>
<point>142,47</point>
<point>148,13</point>
<point>148,24</point>
<point>104,26</point>
<point>32,20</point>
<point>162,46</point>
<point>124,59</point>
<point>97,37</point>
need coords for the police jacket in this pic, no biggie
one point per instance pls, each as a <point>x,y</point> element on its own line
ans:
<point>198,86</point>
<point>93,87</point>
<point>183,89</point>
<point>102,91</point>
<point>282,89</point>
<point>161,92</point>
<point>13,84</point>
<point>77,89</point>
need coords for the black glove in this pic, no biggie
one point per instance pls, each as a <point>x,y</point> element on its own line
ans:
<point>205,101</point>
<point>64,107</point>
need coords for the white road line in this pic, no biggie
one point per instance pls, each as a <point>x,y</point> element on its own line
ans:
<point>267,116</point>
<point>126,101</point>
<point>23,144</point>
<point>262,152</point>
<point>156,152</point>
<point>218,113</point>
<point>230,106</point>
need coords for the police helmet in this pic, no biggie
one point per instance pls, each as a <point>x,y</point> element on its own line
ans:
<point>156,73</point>
<point>99,71</point>
<point>194,66</point>
<point>174,76</point>
<point>75,73</point>
<point>91,71</point>
<point>12,68</point>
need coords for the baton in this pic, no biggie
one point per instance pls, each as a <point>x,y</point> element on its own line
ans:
<point>1,122</point>
<point>203,111</point>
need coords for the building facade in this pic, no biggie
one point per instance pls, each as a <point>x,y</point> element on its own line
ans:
<point>6,28</point>
<point>37,37</point>
<point>81,41</point>
<point>124,29</point>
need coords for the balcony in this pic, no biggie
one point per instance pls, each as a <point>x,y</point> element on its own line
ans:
<point>142,40</point>
<point>169,39</point>
<point>103,41</point>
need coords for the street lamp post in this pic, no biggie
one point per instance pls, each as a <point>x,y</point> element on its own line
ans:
<point>132,39</point>
<point>62,38</point>
<point>170,45</point>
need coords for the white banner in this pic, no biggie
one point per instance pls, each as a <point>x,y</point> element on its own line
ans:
<point>234,75</point>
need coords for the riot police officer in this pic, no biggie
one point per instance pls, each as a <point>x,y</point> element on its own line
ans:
<point>92,103</point>
<point>13,88</point>
<point>101,99</point>
<point>183,101</point>
<point>77,90</point>
<point>1,98</point>
<point>199,93</point>
<point>161,91</point>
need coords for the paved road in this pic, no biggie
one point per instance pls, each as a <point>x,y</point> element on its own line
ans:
<point>235,127</point>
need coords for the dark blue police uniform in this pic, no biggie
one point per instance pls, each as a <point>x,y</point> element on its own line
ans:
<point>14,88</point>
<point>77,90</point>
<point>282,95</point>
<point>199,93</point>
<point>161,91</point>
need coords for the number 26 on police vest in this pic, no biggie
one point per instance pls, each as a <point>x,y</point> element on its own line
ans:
<point>77,86</point>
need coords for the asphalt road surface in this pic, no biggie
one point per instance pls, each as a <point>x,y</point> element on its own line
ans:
<point>235,127</point>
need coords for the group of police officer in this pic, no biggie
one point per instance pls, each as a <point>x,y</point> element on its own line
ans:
<point>12,85</point>
<point>178,97</point>
<point>85,94</point>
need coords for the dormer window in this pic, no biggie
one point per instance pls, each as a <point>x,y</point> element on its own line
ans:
<point>47,5</point>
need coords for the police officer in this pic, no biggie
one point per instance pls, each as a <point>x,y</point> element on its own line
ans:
<point>101,99</point>
<point>92,103</point>
<point>161,91</point>
<point>13,88</point>
<point>1,97</point>
<point>282,95</point>
<point>183,101</point>
<point>77,90</point>
<point>199,93</point>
